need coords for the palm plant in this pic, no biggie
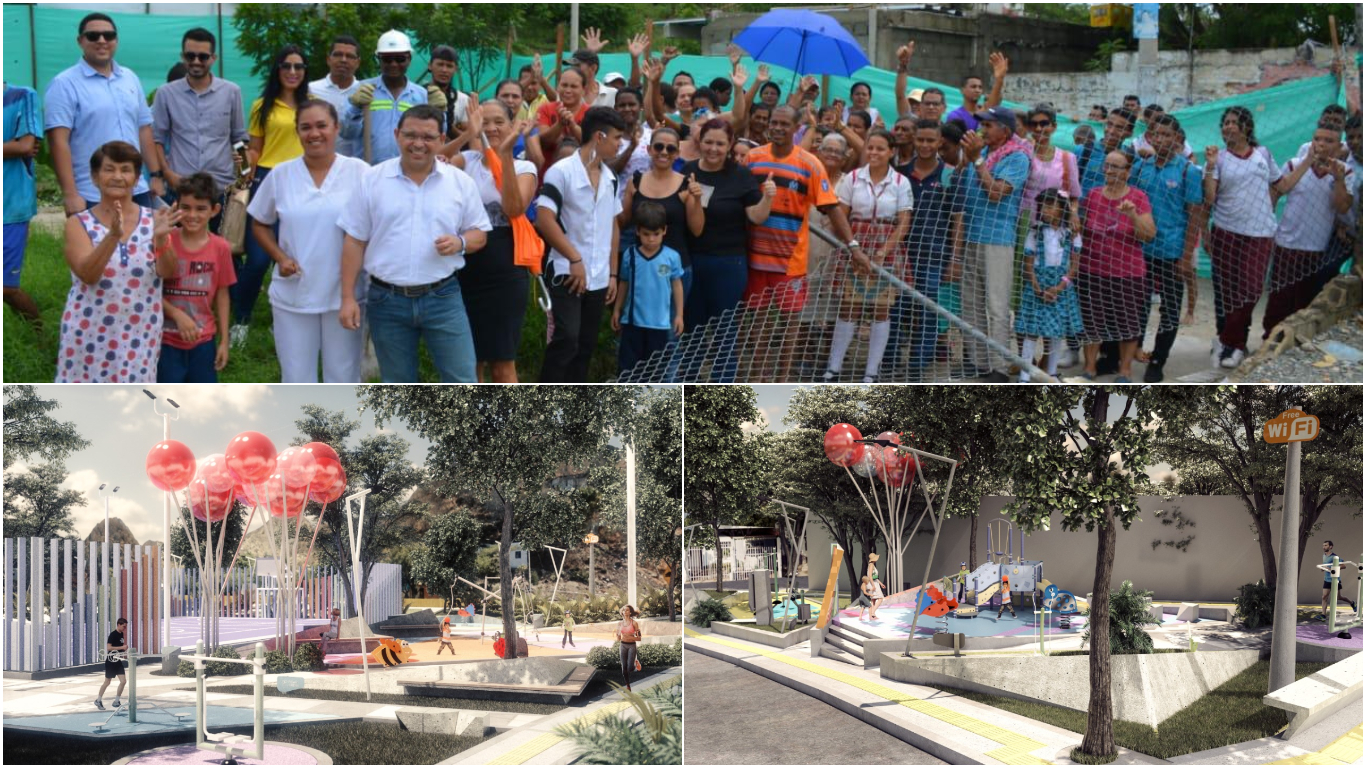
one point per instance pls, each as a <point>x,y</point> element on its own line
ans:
<point>1128,615</point>
<point>615,741</point>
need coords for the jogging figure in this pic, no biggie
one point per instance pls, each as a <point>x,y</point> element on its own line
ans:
<point>445,637</point>
<point>1005,598</point>
<point>113,667</point>
<point>568,630</point>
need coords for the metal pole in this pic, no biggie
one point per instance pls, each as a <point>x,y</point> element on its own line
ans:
<point>573,27</point>
<point>166,523</point>
<point>1283,625</point>
<point>630,506</point>
<point>1333,597</point>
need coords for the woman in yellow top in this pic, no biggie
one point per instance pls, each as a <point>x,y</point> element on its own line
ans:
<point>273,141</point>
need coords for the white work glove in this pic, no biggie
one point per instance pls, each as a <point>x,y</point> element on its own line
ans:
<point>363,95</point>
<point>435,97</point>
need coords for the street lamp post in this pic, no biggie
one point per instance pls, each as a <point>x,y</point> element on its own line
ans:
<point>104,574</point>
<point>166,418</point>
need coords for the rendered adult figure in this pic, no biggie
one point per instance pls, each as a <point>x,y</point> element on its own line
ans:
<point>1327,584</point>
<point>628,632</point>
<point>877,586</point>
<point>113,667</point>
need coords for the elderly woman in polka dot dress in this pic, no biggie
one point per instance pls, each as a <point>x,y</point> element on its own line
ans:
<point>118,255</point>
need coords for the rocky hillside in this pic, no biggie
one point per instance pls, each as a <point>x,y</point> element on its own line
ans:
<point>118,532</point>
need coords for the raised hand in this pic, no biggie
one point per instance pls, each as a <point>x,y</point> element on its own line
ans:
<point>769,187</point>
<point>164,220</point>
<point>670,53</point>
<point>537,67</point>
<point>694,188</point>
<point>739,77</point>
<point>1128,208</point>
<point>763,75</point>
<point>734,53</point>
<point>1000,65</point>
<point>654,70</point>
<point>972,145</point>
<point>514,133</point>
<point>592,39</point>
<point>905,52</point>
<point>566,117</point>
<point>1211,155</point>
<point>638,44</point>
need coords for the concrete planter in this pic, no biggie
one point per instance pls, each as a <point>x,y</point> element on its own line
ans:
<point>772,639</point>
<point>1147,688</point>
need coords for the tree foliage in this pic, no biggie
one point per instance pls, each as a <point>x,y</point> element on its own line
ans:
<point>30,429</point>
<point>449,549</point>
<point>724,464</point>
<point>506,444</point>
<point>35,502</point>
<point>236,521</point>
<point>265,28</point>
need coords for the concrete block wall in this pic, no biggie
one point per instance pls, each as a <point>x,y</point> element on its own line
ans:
<point>1146,688</point>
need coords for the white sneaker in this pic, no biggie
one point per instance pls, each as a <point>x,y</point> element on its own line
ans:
<point>1233,359</point>
<point>116,704</point>
<point>237,336</point>
<point>1067,358</point>
<point>829,376</point>
<point>1216,354</point>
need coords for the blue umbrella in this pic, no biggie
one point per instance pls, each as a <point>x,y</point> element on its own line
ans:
<point>805,42</point>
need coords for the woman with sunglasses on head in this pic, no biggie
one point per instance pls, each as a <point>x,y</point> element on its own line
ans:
<point>274,139</point>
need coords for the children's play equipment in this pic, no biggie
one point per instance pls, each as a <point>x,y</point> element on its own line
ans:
<point>885,461</point>
<point>1334,571</point>
<point>984,584</point>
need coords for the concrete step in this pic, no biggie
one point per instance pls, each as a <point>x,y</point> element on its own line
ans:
<point>845,646</point>
<point>830,652</point>
<point>844,634</point>
<point>855,631</point>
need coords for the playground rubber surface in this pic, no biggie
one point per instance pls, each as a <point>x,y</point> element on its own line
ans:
<point>188,754</point>
<point>472,649</point>
<point>150,721</point>
<point>1318,634</point>
<point>895,621</point>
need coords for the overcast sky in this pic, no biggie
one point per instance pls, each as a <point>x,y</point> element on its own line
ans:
<point>121,427</point>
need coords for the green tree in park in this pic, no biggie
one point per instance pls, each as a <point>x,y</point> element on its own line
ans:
<point>1069,453</point>
<point>964,423</point>
<point>181,545</point>
<point>30,429</point>
<point>724,464</point>
<point>504,444</point>
<point>36,504</point>
<point>380,463</point>
<point>1205,430</point>
<point>265,28</point>
<point>449,547</point>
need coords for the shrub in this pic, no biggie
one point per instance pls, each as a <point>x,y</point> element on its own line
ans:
<point>308,657</point>
<point>707,611</point>
<point>221,668</point>
<point>1255,604</point>
<point>660,655</point>
<point>277,662</point>
<point>603,657</point>
<point>1128,615</point>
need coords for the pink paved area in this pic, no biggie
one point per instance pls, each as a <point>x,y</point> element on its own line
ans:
<point>1318,634</point>
<point>187,754</point>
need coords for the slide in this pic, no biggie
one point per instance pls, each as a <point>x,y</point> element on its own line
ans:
<point>985,595</point>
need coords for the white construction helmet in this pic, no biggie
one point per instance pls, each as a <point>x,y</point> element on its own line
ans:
<point>393,41</point>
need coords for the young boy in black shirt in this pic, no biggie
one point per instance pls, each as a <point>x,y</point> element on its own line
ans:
<point>114,668</point>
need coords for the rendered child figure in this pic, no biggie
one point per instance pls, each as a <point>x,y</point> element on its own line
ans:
<point>628,632</point>
<point>962,582</point>
<point>112,667</point>
<point>445,637</point>
<point>865,600</point>
<point>876,595</point>
<point>1005,598</point>
<point>333,629</point>
<point>568,630</point>
<point>1049,309</point>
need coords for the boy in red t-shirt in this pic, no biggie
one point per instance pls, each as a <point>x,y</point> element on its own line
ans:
<point>196,299</point>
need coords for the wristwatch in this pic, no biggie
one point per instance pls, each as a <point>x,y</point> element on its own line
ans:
<point>852,245</point>
<point>978,162</point>
<point>156,174</point>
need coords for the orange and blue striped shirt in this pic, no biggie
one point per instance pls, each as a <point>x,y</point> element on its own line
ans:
<point>780,244</point>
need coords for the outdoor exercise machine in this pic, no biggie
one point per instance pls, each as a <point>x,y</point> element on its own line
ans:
<point>483,603</point>
<point>357,534</point>
<point>1334,570</point>
<point>798,545</point>
<point>884,458</point>
<point>231,745</point>
<point>129,709</point>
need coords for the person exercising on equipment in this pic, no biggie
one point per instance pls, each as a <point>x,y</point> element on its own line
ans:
<point>113,667</point>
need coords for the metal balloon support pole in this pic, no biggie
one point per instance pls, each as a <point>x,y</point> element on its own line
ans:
<point>356,533</point>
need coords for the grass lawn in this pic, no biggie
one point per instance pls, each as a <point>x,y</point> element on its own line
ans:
<point>1230,714</point>
<point>352,743</point>
<point>30,356</point>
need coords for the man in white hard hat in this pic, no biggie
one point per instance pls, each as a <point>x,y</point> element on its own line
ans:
<point>386,98</point>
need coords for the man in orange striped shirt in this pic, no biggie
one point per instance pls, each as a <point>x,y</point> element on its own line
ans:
<point>778,247</point>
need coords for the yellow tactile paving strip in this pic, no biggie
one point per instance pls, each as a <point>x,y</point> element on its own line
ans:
<point>524,752</point>
<point>1345,751</point>
<point>1014,750</point>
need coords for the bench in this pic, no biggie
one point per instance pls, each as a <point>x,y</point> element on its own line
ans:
<point>1311,699</point>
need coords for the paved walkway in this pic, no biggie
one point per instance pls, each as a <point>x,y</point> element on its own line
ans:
<point>780,726</point>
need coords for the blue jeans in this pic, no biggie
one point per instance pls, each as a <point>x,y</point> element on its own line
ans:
<point>719,288</point>
<point>251,274</point>
<point>398,322</point>
<point>913,322</point>
<point>676,354</point>
<point>188,366</point>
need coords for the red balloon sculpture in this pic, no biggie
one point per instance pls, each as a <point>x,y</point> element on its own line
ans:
<point>842,446</point>
<point>170,465</point>
<point>250,457</point>
<point>329,483</point>
<point>207,505</point>
<point>322,451</point>
<point>286,501</point>
<point>297,466</point>
<point>214,472</point>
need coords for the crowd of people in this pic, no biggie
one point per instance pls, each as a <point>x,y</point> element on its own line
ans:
<point>387,213</point>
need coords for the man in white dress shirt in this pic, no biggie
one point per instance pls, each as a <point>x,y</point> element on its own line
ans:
<point>410,226</point>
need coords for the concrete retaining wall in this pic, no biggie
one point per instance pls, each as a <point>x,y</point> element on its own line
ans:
<point>771,639</point>
<point>1305,652</point>
<point>1146,688</point>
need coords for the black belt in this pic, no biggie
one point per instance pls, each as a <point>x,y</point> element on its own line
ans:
<point>413,291</point>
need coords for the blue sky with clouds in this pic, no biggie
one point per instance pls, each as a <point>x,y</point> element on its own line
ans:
<point>121,427</point>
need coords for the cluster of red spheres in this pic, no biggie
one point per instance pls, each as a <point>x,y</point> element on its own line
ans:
<point>249,471</point>
<point>844,447</point>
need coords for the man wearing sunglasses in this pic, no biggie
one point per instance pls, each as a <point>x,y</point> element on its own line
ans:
<point>386,98</point>
<point>94,102</point>
<point>196,120</point>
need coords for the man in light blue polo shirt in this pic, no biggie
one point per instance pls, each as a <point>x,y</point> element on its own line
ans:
<point>1175,188</point>
<point>1119,127</point>
<point>22,129</point>
<point>997,166</point>
<point>91,104</point>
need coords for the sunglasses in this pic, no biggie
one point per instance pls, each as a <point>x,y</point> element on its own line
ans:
<point>665,149</point>
<point>288,67</point>
<point>188,56</point>
<point>395,59</point>
<point>106,35</point>
<point>1040,123</point>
